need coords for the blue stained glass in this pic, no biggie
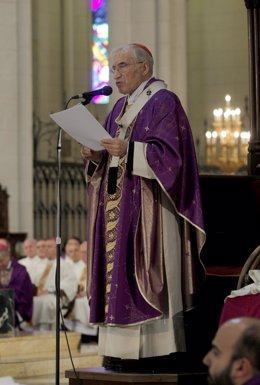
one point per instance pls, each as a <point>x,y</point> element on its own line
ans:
<point>100,68</point>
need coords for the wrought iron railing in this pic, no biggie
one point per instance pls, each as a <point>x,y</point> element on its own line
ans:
<point>73,200</point>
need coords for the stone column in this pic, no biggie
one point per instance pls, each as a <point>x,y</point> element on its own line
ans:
<point>16,170</point>
<point>77,55</point>
<point>159,24</point>
<point>171,45</point>
<point>253,15</point>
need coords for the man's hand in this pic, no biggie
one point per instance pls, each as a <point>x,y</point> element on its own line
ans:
<point>43,292</point>
<point>115,146</point>
<point>89,154</point>
<point>81,294</point>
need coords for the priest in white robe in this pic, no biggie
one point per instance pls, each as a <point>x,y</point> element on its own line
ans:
<point>44,304</point>
<point>78,318</point>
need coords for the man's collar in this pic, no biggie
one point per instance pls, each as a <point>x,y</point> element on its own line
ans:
<point>131,98</point>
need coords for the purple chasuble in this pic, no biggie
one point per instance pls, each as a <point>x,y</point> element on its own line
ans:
<point>23,290</point>
<point>254,381</point>
<point>114,278</point>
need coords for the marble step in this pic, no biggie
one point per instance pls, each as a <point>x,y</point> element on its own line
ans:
<point>34,356</point>
<point>42,380</point>
<point>44,367</point>
<point>36,344</point>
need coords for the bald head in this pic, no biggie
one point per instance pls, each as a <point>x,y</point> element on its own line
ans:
<point>235,328</point>
<point>238,330</point>
<point>235,354</point>
<point>247,343</point>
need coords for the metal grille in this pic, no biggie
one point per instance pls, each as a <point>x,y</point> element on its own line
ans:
<point>73,200</point>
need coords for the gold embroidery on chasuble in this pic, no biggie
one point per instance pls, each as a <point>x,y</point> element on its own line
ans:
<point>112,210</point>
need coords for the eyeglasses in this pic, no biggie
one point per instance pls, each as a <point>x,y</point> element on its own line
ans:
<point>122,67</point>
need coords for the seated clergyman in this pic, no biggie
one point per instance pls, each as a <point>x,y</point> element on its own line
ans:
<point>15,276</point>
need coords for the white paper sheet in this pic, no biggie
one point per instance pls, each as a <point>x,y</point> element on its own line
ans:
<point>81,125</point>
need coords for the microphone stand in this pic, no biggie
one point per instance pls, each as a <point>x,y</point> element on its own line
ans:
<point>58,255</point>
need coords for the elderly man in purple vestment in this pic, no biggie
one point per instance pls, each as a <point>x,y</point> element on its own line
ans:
<point>14,276</point>
<point>145,224</point>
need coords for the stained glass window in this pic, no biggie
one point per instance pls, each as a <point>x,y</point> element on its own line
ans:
<point>100,68</point>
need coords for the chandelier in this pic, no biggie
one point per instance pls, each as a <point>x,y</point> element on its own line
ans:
<point>227,141</point>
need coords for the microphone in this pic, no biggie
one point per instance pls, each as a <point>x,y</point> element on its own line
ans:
<point>106,90</point>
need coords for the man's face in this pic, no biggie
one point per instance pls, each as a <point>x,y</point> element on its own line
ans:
<point>219,358</point>
<point>51,249</point>
<point>222,378</point>
<point>4,260</point>
<point>71,242</point>
<point>128,74</point>
<point>41,249</point>
<point>83,251</point>
<point>73,252</point>
<point>29,248</point>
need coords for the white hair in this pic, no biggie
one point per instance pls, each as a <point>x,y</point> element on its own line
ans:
<point>139,53</point>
